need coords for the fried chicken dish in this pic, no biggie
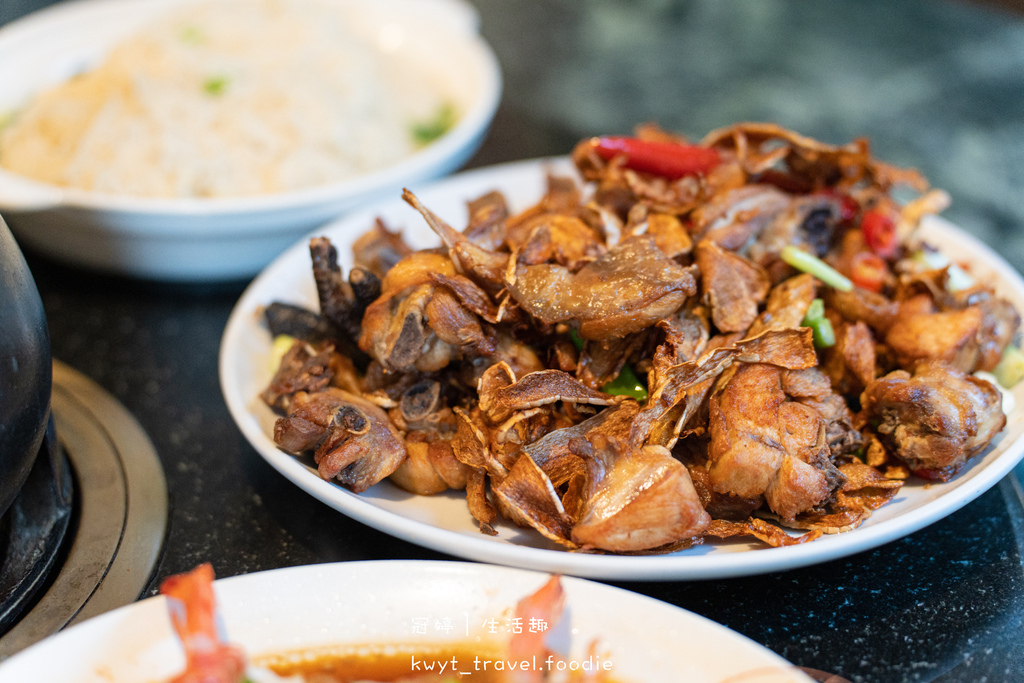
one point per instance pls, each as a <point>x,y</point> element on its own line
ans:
<point>739,337</point>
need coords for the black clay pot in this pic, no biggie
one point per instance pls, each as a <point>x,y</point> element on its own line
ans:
<point>26,370</point>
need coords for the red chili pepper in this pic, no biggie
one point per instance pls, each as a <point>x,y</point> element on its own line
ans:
<point>669,159</point>
<point>848,206</point>
<point>932,475</point>
<point>868,271</point>
<point>879,232</point>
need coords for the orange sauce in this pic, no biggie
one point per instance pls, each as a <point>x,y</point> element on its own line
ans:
<point>469,661</point>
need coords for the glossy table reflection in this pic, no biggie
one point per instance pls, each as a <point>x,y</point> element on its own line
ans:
<point>937,85</point>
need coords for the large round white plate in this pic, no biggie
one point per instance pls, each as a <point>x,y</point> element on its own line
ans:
<point>406,603</point>
<point>444,523</point>
<point>205,239</point>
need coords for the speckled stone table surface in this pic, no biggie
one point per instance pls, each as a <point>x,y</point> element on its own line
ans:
<point>937,85</point>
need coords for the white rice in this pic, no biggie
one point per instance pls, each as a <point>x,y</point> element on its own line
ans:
<point>227,98</point>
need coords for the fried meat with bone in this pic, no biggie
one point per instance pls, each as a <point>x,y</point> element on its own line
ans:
<point>495,358</point>
<point>636,499</point>
<point>501,393</point>
<point>419,319</point>
<point>628,289</point>
<point>733,286</point>
<point>790,348</point>
<point>936,418</point>
<point>763,444</point>
<point>354,441</point>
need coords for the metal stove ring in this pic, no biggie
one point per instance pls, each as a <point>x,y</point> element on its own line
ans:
<point>122,513</point>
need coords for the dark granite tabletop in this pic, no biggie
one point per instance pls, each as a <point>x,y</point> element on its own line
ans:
<point>934,84</point>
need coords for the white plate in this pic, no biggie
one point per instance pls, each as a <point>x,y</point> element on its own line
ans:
<point>443,522</point>
<point>220,239</point>
<point>402,602</point>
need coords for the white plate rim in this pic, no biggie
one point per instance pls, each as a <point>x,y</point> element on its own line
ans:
<point>430,581</point>
<point>684,565</point>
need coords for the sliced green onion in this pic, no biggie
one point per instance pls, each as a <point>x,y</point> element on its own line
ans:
<point>816,310</point>
<point>215,85</point>
<point>804,262</point>
<point>7,118</point>
<point>626,384</point>
<point>1010,370</point>
<point>577,341</point>
<point>430,130</point>
<point>824,335</point>
<point>821,327</point>
<point>191,35</point>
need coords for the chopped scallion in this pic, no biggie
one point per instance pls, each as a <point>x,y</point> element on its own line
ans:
<point>191,35</point>
<point>215,85</point>
<point>626,384</point>
<point>806,263</point>
<point>1010,370</point>
<point>427,131</point>
<point>816,310</point>
<point>824,335</point>
<point>821,327</point>
<point>577,341</point>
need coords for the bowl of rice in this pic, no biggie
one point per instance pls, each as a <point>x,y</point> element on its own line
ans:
<point>194,140</point>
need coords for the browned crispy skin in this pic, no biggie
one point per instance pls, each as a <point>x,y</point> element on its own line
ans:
<point>999,324</point>
<point>786,306</point>
<point>627,290</point>
<point>733,286</point>
<point>790,348</point>
<point>874,309</point>
<point>637,500</point>
<point>935,419</point>
<point>500,398</point>
<point>487,216</point>
<point>303,368</point>
<point>732,219</point>
<point>920,334</point>
<point>555,238</point>
<point>355,441</point>
<point>764,445</point>
<point>379,249</point>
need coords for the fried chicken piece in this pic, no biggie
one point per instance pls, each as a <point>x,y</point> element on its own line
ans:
<point>355,442</point>
<point>303,368</point>
<point>765,445</point>
<point>637,499</point>
<point>379,249</point>
<point>920,333</point>
<point>813,388</point>
<point>733,286</point>
<point>936,419</point>
<point>999,323</point>
<point>628,289</point>
<point>877,311</point>
<point>732,219</point>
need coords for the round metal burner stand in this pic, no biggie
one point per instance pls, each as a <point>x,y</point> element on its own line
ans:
<point>122,513</point>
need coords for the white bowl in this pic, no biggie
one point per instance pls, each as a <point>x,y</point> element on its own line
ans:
<point>222,238</point>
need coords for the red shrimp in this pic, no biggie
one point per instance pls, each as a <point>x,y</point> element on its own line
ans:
<point>193,612</point>
<point>543,607</point>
